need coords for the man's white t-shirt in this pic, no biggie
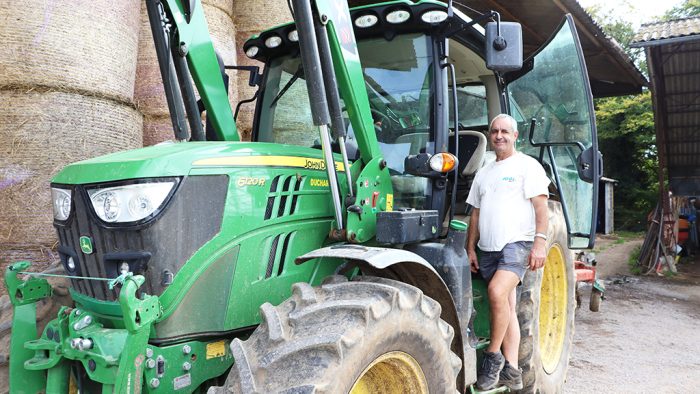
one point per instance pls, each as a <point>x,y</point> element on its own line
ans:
<point>502,191</point>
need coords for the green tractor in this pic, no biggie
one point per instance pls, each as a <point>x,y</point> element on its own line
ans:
<point>326,255</point>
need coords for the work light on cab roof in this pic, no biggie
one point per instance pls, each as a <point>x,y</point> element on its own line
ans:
<point>435,16</point>
<point>398,16</point>
<point>365,21</point>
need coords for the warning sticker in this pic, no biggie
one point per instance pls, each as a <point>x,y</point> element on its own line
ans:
<point>182,381</point>
<point>216,349</point>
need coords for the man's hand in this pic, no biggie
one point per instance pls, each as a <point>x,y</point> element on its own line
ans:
<point>473,261</point>
<point>538,254</point>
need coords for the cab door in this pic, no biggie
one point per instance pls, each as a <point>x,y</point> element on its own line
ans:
<point>551,100</point>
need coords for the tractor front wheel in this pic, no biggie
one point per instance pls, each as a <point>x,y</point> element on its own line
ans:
<point>546,313</point>
<point>366,336</point>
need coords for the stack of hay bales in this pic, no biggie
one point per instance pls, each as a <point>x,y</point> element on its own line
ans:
<point>66,94</point>
<point>150,96</point>
<point>252,17</point>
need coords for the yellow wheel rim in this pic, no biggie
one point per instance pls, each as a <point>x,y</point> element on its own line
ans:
<point>553,309</point>
<point>393,372</point>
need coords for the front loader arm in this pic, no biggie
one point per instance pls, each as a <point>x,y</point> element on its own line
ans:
<point>188,36</point>
<point>349,75</point>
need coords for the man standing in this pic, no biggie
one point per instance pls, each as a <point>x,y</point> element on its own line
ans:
<point>509,220</point>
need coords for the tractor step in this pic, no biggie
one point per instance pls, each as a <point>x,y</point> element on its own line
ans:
<point>500,389</point>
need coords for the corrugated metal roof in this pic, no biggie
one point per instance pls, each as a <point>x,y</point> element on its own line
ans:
<point>651,33</point>
<point>673,56</point>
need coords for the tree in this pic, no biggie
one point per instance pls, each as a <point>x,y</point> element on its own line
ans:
<point>684,10</point>
<point>627,137</point>
<point>627,141</point>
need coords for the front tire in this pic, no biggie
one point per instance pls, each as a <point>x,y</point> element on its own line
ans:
<point>546,313</point>
<point>365,336</point>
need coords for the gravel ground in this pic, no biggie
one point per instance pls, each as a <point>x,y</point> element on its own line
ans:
<point>646,337</point>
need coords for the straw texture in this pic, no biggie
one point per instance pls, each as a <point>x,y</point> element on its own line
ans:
<point>66,94</point>
<point>253,17</point>
<point>149,93</point>
<point>41,131</point>
<point>84,46</point>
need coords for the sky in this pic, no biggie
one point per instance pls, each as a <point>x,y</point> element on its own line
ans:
<point>635,11</point>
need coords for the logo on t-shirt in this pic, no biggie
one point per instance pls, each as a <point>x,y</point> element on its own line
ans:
<point>508,179</point>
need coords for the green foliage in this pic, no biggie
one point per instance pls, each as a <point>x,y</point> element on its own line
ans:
<point>635,269</point>
<point>626,137</point>
<point>684,10</point>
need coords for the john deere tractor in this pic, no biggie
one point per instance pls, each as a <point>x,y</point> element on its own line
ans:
<point>327,254</point>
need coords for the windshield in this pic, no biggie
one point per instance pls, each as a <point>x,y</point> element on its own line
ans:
<point>398,78</point>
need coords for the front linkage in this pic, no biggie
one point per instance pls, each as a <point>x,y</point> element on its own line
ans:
<point>115,356</point>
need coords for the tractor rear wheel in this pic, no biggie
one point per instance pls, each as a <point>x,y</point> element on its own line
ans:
<point>546,313</point>
<point>366,336</point>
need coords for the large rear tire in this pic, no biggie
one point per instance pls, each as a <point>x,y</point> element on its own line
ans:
<point>366,336</point>
<point>546,313</point>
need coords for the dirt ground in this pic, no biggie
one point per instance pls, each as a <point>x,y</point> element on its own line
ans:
<point>646,337</point>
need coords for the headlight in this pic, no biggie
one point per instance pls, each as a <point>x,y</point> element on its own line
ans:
<point>61,203</point>
<point>129,203</point>
<point>273,41</point>
<point>435,16</point>
<point>398,16</point>
<point>366,21</point>
<point>252,52</point>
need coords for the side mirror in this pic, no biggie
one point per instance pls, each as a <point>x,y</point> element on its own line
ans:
<point>504,48</point>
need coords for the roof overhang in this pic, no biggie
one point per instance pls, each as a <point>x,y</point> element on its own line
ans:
<point>610,71</point>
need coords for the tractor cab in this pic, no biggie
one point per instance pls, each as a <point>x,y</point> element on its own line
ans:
<point>416,62</point>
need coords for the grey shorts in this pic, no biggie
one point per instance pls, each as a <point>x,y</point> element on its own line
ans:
<point>513,258</point>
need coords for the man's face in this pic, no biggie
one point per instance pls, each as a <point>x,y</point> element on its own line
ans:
<point>502,136</point>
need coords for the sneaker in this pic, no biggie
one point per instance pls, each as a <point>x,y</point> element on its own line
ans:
<point>487,376</point>
<point>511,377</point>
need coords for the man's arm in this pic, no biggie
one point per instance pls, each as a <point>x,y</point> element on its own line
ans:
<point>472,239</point>
<point>538,254</point>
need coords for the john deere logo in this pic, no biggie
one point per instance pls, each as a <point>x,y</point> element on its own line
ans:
<point>86,244</point>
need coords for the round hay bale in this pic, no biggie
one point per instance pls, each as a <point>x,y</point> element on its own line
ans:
<point>40,133</point>
<point>157,129</point>
<point>252,17</point>
<point>223,5</point>
<point>149,93</point>
<point>223,35</point>
<point>148,90</point>
<point>88,47</point>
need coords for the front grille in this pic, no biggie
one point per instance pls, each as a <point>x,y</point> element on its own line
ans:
<point>152,249</point>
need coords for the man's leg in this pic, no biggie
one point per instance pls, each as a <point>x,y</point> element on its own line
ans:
<point>511,341</point>
<point>501,286</point>
<point>511,376</point>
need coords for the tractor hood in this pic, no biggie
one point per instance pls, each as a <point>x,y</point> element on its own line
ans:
<point>178,159</point>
